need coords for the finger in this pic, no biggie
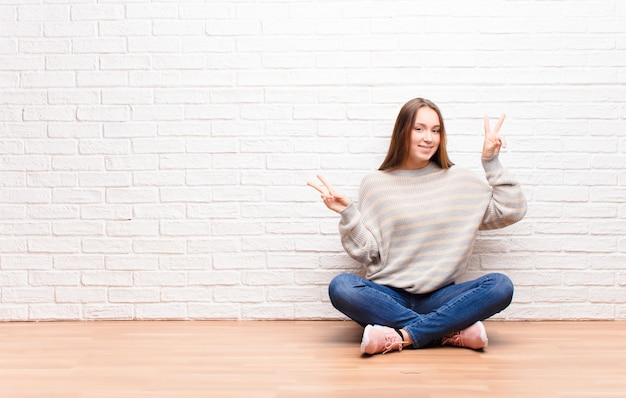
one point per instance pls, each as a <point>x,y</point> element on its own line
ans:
<point>502,141</point>
<point>327,185</point>
<point>316,187</point>
<point>486,122</point>
<point>499,124</point>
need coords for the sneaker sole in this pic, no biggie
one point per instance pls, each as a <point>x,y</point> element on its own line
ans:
<point>366,338</point>
<point>483,334</point>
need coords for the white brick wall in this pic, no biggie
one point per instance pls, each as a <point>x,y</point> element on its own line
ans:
<point>154,154</point>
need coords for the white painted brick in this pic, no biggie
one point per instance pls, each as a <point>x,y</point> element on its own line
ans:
<point>99,12</point>
<point>45,13</point>
<point>99,45</point>
<point>74,130</point>
<point>186,294</point>
<point>108,312</point>
<point>159,211</point>
<point>211,11</point>
<point>53,212</point>
<point>53,245</point>
<point>589,278</point>
<point>159,246</point>
<point>78,262</point>
<point>269,312</point>
<point>27,295</point>
<point>57,147</point>
<point>132,295</point>
<point>111,179</point>
<point>212,211</point>
<point>102,113</point>
<point>49,46</point>
<point>131,163</point>
<point>264,278</point>
<point>106,246</point>
<point>124,28</point>
<point>160,311</point>
<point>214,245</point>
<point>188,228</point>
<point>316,311</point>
<point>158,178</point>
<point>124,62</point>
<point>14,279</point>
<point>239,294</point>
<point>185,262</point>
<point>50,113</point>
<point>166,146</point>
<point>211,278</point>
<point>54,312</point>
<point>152,78</point>
<point>239,262</point>
<point>293,294</point>
<point>69,29</point>
<point>267,244</point>
<point>214,311</point>
<point>80,295</point>
<point>587,312</point>
<point>106,278</point>
<point>78,228</point>
<point>14,312</point>
<point>20,29</point>
<point>151,11</point>
<point>188,195</point>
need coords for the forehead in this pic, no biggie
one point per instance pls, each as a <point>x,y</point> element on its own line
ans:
<point>426,115</point>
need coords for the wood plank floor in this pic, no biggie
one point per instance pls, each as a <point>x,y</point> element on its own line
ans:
<point>303,359</point>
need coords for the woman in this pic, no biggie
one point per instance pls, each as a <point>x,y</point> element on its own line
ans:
<point>414,230</point>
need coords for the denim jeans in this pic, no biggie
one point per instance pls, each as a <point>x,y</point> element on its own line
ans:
<point>425,317</point>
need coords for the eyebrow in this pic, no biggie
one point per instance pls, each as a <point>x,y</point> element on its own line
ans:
<point>424,124</point>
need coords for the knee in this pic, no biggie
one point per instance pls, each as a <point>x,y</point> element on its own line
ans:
<point>341,287</point>
<point>504,286</point>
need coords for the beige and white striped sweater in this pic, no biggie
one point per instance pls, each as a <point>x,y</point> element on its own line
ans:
<point>415,229</point>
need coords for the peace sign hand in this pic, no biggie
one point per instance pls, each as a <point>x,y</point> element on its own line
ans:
<point>493,141</point>
<point>334,200</point>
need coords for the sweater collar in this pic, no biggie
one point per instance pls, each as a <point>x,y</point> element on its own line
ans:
<point>428,169</point>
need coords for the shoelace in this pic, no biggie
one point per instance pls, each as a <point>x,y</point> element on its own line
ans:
<point>389,343</point>
<point>453,339</point>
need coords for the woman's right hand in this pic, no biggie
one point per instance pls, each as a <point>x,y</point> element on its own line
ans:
<point>333,199</point>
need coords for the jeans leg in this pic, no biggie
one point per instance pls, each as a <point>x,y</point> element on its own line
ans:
<point>425,317</point>
<point>366,302</point>
<point>458,306</point>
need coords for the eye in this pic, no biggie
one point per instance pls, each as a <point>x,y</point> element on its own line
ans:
<point>436,131</point>
<point>418,129</point>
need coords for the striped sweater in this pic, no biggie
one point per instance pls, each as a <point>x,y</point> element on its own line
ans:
<point>415,229</point>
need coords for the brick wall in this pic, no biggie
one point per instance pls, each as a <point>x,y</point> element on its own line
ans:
<point>154,155</point>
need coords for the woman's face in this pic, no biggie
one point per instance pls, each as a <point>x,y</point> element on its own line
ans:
<point>424,140</point>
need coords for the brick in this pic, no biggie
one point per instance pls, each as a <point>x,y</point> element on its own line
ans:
<point>154,156</point>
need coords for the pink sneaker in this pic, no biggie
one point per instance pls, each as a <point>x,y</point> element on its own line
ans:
<point>381,339</point>
<point>474,337</point>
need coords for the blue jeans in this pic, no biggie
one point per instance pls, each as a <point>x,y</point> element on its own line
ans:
<point>425,317</point>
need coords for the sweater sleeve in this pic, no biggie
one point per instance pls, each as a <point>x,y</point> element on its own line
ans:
<point>507,204</point>
<point>356,239</point>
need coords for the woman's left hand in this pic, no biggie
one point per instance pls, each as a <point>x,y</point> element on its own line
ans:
<point>493,140</point>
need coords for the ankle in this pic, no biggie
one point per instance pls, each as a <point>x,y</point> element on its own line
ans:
<point>406,338</point>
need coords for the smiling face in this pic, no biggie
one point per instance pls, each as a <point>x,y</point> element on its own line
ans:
<point>424,140</point>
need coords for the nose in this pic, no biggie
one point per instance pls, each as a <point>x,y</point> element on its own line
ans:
<point>428,136</point>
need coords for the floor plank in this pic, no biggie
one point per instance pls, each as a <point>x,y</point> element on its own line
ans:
<point>303,359</point>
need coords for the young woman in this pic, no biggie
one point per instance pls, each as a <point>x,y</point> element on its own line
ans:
<point>414,230</point>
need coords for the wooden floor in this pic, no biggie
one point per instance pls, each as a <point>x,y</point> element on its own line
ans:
<point>303,359</point>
